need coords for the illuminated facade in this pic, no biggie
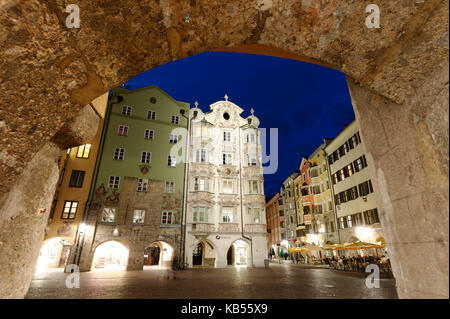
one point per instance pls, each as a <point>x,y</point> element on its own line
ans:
<point>76,170</point>
<point>356,208</point>
<point>276,223</point>
<point>225,220</point>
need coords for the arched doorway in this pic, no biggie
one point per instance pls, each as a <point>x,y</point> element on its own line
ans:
<point>204,254</point>
<point>53,254</point>
<point>158,254</point>
<point>239,254</point>
<point>110,255</point>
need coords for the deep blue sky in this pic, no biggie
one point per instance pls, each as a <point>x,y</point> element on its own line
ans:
<point>306,102</point>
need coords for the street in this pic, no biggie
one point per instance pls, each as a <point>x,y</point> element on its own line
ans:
<point>280,281</point>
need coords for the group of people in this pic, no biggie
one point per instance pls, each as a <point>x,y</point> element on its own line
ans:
<point>358,263</point>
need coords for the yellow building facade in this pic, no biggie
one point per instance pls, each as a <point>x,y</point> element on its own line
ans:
<point>323,221</point>
<point>76,167</point>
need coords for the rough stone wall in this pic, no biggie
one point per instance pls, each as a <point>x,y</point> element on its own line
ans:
<point>407,149</point>
<point>49,72</point>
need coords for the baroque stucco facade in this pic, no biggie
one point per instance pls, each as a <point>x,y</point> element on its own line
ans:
<point>221,203</point>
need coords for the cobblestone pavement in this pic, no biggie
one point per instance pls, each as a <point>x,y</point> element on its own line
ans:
<point>280,281</point>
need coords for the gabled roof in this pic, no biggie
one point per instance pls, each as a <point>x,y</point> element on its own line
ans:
<point>148,88</point>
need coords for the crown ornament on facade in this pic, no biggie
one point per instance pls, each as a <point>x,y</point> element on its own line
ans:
<point>196,104</point>
<point>226,97</point>
<point>252,111</point>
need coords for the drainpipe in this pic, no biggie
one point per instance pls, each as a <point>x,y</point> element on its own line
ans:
<point>186,190</point>
<point>241,193</point>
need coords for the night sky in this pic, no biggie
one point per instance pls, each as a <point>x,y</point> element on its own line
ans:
<point>306,102</point>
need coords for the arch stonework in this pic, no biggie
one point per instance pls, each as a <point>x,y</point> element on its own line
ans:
<point>397,75</point>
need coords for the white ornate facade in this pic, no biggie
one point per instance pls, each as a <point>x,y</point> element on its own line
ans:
<point>225,189</point>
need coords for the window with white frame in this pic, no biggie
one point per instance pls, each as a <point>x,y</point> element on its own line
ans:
<point>138,216</point>
<point>151,115</point>
<point>200,156</point>
<point>122,130</point>
<point>119,153</point>
<point>126,110</point>
<point>167,218</point>
<point>149,134</point>
<point>171,160</point>
<point>227,136</point>
<point>146,157</point>
<point>252,160</point>
<point>201,184</point>
<point>253,187</point>
<point>170,187</point>
<point>227,186</point>
<point>173,138</point>
<point>142,185</point>
<point>175,119</point>
<point>199,214</point>
<point>114,182</point>
<point>108,215</point>
<point>251,138</point>
<point>255,214</point>
<point>227,158</point>
<point>227,215</point>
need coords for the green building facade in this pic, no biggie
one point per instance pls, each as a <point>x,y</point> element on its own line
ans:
<point>135,208</point>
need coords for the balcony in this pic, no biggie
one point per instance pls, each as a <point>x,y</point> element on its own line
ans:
<point>255,228</point>
<point>202,229</point>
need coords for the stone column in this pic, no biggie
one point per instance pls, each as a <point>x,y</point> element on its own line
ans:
<point>23,218</point>
<point>407,152</point>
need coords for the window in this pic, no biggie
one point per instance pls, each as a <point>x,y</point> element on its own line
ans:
<point>173,138</point>
<point>371,216</point>
<point>227,215</point>
<point>201,184</point>
<point>151,115</point>
<point>76,179</point>
<point>146,157</point>
<point>251,138</point>
<point>142,185</point>
<point>200,156</point>
<point>108,215</point>
<point>126,110</point>
<point>171,160</point>
<point>170,187</point>
<point>122,130</point>
<point>255,215</point>
<point>119,153</point>
<point>149,134</point>
<point>252,160</point>
<point>349,221</point>
<point>227,158</point>
<point>365,188</point>
<point>83,151</point>
<point>138,216</point>
<point>114,182</point>
<point>253,187</point>
<point>227,136</point>
<point>199,215</point>
<point>175,119</point>
<point>227,186</point>
<point>69,210</point>
<point>167,218</point>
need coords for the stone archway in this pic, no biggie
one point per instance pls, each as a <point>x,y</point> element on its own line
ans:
<point>397,77</point>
